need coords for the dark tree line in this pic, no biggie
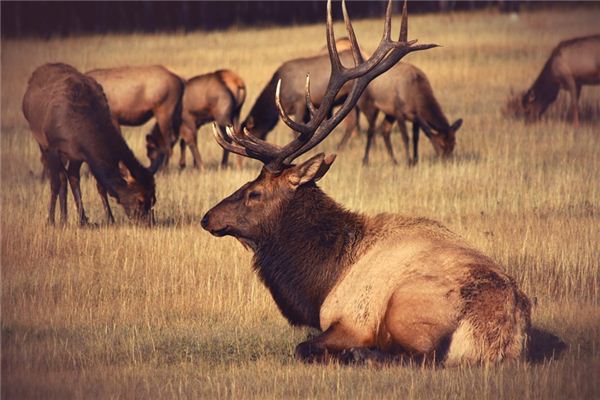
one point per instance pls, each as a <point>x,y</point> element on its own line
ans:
<point>48,18</point>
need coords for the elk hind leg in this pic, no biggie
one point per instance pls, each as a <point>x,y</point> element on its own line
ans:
<point>419,324</point>
<point>371,118</point>
<point>337,342</point>
<point>386,131</point>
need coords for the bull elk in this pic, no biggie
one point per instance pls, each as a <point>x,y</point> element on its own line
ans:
<point>217,96</point>
<point>572,64</point>
<point>404,93</point>
<point>70,119</point>
<point>136,94</point>
<point>386,284</point>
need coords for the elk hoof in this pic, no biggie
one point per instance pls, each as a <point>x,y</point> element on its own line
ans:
<point>308,353</point>
<point>365,162</point>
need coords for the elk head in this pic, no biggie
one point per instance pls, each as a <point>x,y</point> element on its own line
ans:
<point>138,195</point>
<point>444,141</point>
<point>249,212</point>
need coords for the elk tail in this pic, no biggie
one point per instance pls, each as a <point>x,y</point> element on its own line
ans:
<point>237,92</point>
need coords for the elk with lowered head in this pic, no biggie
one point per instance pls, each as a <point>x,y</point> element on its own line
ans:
<point>404,93</point>
<point>263,115</point>
<point>70,119</point>
<point>217,96</point>
<point>572,64</point>
<point>136,94</point>
<point>384,284</point>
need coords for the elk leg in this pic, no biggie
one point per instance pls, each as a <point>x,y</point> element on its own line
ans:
<point>58,184</point>
<point>575,92</point>
<point>351,128</point>
<point>62,195</point>
<point>371,118</point>
<point>386,131</point>
<point>102,192</point>
<point>182,157</point>
<point>54,189</point>
<point>335,340</point>
<point>415,158</point>
<point>73,173</point>
<point>165,125</point>
<point>191,139</point>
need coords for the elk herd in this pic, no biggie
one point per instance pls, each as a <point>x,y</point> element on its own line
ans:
<point>378,287</point>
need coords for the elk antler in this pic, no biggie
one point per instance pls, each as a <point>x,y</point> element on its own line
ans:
<point>387,54</point>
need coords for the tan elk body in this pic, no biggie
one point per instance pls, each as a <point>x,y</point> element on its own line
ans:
<point>377,286</point>
<point>405,94</point>
<point>136,94</point>
<point>572,64</point>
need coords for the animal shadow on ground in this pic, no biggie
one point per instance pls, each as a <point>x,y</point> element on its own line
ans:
<point>544,346</point>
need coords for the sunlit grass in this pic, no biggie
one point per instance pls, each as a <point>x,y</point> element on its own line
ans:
<point>172,312</point>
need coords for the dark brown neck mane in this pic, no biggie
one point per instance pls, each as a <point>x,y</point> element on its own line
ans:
<point>103,158</point>
<point>546,86</point>
<point>304,252</point>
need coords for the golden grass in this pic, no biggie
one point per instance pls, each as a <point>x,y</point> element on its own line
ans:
<point>172,312</point>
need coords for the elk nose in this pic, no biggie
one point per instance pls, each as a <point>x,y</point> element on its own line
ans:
<point>204,222</point>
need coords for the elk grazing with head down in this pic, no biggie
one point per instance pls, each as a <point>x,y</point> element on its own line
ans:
<point>572,64</point>
<point>70,119</point>
<point>404,93</point>
<point>389,283</point>
<point>136,94</point>
<point>263,115</point>
<point>217,96</point>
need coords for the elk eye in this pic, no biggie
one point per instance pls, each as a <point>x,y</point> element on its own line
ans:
<point>254,194</point>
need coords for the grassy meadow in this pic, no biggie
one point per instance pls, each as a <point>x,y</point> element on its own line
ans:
<point>172,312</point>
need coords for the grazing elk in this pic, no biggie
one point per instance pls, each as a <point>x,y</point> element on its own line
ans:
<point>390,283</point>
<point>136,94</point>
<point>404,93</point>
<point>217,96</point>
<point>572,64</point>
<point>71,121</point>
<point>263,115</point>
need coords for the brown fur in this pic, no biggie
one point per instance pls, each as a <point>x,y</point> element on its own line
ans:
<point>401,285</point>
<point>70,119</point>
<point>405,94</point>
<point>217,96</point>
<point>572,64</point>
<point>263,115</point>
<point>136,94</point>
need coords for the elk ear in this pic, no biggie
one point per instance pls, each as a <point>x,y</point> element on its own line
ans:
<point>456,125</point>
<point>126,173</point>
<point>311,170</point>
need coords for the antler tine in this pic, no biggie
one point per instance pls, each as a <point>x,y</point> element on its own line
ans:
<point>358,59</point>
<point>286,118</point>
<point>220,138</point>
<point>336,64</point>
<point>404,26</point>
<point>387,25</point>
<point>309,103</point>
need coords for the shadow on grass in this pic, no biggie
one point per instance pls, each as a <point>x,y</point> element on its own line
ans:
<point>544,346</point>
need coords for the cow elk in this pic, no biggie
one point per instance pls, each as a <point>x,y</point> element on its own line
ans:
<point>387,284</point>
<point>572,64</point>
<point>217,96</point>
<point>404,93</point>
<point>263,115</point>
<point>136,94</point>
<point>70,119</point>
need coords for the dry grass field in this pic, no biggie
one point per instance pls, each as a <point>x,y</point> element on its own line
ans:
<point>172,312</point>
